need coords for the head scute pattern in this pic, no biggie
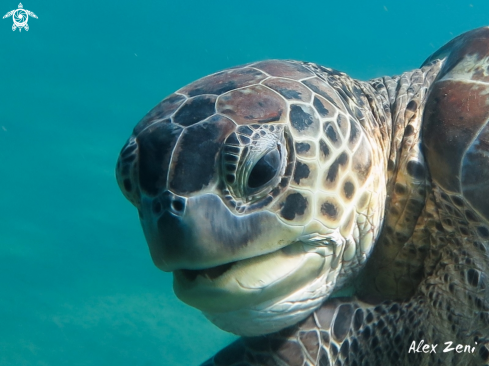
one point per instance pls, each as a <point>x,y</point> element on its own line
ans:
<point>274,188</point>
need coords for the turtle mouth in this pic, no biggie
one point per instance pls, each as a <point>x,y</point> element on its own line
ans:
<point>211,273</point>
<point>247,283</point>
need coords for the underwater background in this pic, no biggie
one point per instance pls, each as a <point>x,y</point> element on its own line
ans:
<point>77,284</point>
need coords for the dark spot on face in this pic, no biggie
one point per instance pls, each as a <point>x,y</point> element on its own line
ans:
<point>324,148</point>
<point>329,209</point>
<point>195,110</point>
<point>473,277</point>
<point>349,189</point>
<point>415,169</point>
<point>300,119</point>
<point>354,132</point>
<point>342,125</point>
<point>302,147</point>
<point>301,171</point>
<point>320,107</point>
<point>362,162</point>
<point>295,204</point>
<point>329,130</point>
<point>333,169</point>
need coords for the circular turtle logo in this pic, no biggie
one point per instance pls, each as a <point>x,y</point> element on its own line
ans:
<point>20,17</point>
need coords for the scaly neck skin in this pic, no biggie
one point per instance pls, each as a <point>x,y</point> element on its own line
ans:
<point>418,255</point>
<point>390,111</point>
<point>397,264</point>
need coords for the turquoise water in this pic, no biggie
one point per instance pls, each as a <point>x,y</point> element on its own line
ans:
<point>77,285</point>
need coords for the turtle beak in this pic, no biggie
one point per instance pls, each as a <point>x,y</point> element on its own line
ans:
<point>200,232</point>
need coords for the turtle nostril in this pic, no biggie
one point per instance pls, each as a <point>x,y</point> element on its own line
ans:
<point>177,205</point>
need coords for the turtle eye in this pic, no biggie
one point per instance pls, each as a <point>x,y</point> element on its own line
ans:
<point>265,169</point>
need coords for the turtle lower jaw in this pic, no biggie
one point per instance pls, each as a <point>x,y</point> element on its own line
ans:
<point>252,282</point>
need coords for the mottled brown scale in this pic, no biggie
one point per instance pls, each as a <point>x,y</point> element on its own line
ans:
<point>288,69</point>
<point>289,89</point>
<point>331,133</point>
<point>223,82</point>
<point>343,125</point>
<point>295,206</point>
<point>324,151</point>
<point>306,148</point>
<point>324,90</point>
<point>304,121</point>
<point>254,104</point>
<point>361,162</point>
<point>305,174</point>
<point>332,176</point>
<point>330,210</point>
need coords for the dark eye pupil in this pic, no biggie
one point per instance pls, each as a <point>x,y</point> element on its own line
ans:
<point>265,169</point>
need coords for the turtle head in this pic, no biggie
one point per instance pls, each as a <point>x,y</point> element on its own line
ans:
<point>256,188</point>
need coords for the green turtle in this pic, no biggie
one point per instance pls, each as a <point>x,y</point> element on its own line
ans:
<point>329,221</point>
